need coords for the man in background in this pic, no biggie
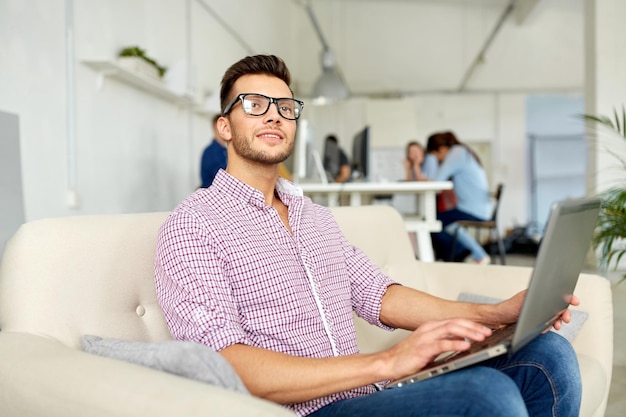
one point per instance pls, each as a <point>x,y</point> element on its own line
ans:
<point>336,162</point>
<point>214,157</point>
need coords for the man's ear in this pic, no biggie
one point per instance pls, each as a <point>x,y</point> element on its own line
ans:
<point>223,128</point>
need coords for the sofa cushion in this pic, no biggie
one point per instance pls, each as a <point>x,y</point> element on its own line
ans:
<point>568,330</point>
<point>187,359</point>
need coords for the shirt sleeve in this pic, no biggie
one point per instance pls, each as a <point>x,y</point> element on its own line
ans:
<point>211,162</point>
<point>430,166</point>
<point>191,288</point>
<point>368,285</point>
<point>343,158</point>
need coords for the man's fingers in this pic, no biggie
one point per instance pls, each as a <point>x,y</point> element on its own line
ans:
<point>573,300</point>
<point>454,329</point>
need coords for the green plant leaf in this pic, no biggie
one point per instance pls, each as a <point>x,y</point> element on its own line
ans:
<point>602,120</point>
<point>132,51</point>
<point>618,128</point>
<point>141,53</point>
<point>610,234</point>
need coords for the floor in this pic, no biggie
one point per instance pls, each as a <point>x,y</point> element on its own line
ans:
<point>617,394</point>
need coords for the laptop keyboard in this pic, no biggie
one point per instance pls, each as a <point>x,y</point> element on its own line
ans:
<point>497,336</point>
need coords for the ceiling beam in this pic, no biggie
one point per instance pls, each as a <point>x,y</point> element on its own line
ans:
<point>480,58</point>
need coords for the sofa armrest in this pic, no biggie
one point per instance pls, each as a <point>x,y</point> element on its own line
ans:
<point>42,377</point>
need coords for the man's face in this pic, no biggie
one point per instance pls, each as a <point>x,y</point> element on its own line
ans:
<point>266,139</point>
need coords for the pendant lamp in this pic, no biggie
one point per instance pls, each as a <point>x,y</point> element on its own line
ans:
<point>330,86</point>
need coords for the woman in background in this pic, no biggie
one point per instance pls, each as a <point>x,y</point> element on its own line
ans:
<point>459,164</point>
<point>419,167</point>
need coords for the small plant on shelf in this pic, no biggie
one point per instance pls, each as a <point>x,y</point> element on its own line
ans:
<point>135,51</point>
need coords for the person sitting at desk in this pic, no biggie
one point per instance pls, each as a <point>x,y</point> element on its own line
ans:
<point>214,157</point>
<point>336,161</point>
<point>419,167</point>
<point>413,162</point>
<point>458,163</point>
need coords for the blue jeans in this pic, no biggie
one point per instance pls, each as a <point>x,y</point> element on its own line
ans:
<point>443,240</point>
<point>542,379</point>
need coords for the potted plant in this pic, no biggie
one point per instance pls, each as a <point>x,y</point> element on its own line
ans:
<point>610,234</point>
<point>135,59</point>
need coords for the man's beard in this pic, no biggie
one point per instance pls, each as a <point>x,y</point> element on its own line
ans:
<point>243,148</point>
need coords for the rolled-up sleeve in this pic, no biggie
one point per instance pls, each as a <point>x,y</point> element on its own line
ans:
<point>191,287</point>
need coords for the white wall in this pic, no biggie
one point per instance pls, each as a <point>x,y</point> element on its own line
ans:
<point>605,88</point>
<point>131,151</point>
<point>33,87</point>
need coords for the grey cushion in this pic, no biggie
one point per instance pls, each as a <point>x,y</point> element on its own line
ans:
<point>568,330</point>
<point>187,359</point>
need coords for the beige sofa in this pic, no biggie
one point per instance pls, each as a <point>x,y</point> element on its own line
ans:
<point>66,277</point>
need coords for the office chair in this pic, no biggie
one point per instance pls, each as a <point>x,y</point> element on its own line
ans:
<point>491,225</point>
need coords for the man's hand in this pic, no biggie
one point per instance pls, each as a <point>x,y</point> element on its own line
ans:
<point>430,340</point>
<point>508,311</point>
<point>566,315</point>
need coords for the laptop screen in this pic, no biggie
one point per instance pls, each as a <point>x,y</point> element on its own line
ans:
<point>560,259</point>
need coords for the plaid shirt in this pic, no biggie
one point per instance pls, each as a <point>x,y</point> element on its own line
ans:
<point>228,271</point>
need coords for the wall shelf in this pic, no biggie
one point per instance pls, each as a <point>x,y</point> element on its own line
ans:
<point>108,68</point>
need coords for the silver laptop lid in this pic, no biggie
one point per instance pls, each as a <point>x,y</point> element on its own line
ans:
<point>559,261</point>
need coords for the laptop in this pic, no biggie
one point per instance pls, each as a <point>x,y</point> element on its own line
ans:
<point>559,261</point>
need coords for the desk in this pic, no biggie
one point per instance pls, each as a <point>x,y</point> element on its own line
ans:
<point>422,226</point>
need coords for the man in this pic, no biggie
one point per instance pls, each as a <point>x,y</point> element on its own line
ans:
<point>259,273</point>
<point>214,157</point>
<point>336,161</point>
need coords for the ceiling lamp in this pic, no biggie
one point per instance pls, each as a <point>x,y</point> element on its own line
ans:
<point>330,86</point>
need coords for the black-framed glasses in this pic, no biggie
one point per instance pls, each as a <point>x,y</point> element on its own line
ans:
<point>258,104</point>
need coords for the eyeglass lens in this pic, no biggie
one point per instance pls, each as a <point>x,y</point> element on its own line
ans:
<point>257,105</point>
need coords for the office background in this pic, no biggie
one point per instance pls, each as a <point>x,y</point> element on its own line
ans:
<point>91,143</point>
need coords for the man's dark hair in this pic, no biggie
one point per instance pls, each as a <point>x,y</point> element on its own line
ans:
<point>257,64</point>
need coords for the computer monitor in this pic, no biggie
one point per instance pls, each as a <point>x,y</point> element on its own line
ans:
<point>305,162</point>
<point>360,154</point>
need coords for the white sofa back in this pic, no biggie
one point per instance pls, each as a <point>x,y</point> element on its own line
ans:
<point>94,274</point>
<point>84,275</point>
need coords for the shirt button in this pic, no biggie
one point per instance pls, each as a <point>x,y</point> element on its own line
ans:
<point>140,311</point>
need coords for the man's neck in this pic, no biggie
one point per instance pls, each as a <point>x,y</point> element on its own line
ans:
<point>260,177</point>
